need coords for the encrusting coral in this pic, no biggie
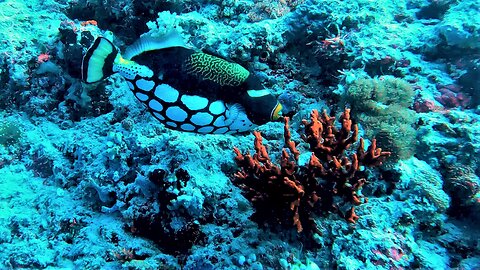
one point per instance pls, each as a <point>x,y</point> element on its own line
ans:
<point>288,194</point>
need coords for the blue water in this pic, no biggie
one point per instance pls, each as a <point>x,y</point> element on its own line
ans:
<point>377,167</point>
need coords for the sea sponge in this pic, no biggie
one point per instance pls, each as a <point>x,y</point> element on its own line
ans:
<point>381,105</point>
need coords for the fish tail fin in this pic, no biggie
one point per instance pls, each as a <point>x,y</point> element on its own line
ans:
<point>98,62</point>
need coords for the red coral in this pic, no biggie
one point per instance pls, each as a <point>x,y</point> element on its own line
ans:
<point>425,105</point>
<point>288,194</point>
<point>452,97</point>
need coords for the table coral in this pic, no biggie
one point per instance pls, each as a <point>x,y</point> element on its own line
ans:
<point>288,194</point>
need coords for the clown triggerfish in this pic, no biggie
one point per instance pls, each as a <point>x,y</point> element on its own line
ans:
<point>184,88</point>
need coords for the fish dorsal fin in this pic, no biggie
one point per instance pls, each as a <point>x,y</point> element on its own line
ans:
<point>147,42</point>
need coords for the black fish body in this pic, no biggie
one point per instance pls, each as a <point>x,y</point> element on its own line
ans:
<point>186,89</point>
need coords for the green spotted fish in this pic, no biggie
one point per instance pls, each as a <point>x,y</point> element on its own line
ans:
<point>184,88</point>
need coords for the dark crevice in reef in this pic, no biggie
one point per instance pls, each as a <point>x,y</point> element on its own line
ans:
<point>176,243</point>
<point>435,9</point>
<point>155,225</point>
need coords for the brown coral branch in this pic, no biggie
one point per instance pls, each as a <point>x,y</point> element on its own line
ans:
<point>324,139</point>
<point>351,216</point>
<point>261,151</point>
<point>288,167</point>
<point>287,138</point>
<point>373,156</point>
<point>288,192</point>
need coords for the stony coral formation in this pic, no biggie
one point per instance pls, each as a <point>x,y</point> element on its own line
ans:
<point>463,186</point>
<point>288,194</point>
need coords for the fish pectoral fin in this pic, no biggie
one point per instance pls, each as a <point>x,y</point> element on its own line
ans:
<point>233,112</point>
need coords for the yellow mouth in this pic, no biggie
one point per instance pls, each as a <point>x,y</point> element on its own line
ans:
<point>277,111</point>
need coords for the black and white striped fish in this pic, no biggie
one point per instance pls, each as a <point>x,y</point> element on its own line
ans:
<point>184,88</point>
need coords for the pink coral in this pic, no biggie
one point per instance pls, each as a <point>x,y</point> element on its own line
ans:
<point>452,97</point>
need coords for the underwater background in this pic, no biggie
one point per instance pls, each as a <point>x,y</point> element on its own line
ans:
<point>386,178</point>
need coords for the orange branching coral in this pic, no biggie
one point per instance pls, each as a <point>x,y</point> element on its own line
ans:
<point>351,216</point>
<point>324,138</point>
<point>287,136</point>
<point>259,177</point>
<point>89,22</point>
<point>288,194</point>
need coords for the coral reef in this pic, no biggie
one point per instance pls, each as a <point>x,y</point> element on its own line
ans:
<point>464,188</point>
<point>89,181</point>
<point>451,97</point>
<point>469,82</point>
<point>10,132</point>
<point>288,194</point>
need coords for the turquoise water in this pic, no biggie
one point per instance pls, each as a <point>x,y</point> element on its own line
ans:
<point>109,157</point>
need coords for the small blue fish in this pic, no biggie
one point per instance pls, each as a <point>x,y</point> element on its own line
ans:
<point>184,88</point>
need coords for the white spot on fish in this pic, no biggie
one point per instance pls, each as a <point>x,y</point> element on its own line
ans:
<point>205,129</point>
<point>202,118</point>
<point>220,122</point>
<point>155,105</point>
<point>141,96</point>
<point>187,127</point>
<point>258,93</point>
<point>166,93</point>
<point>145,85</point>
<point>172,124</point>
<point>194,102</point>
<point>217,107</point>
<point>176,114</point>
<point>130,85</point>
<point>144,71</point>
<point>159,116</point>
<point>221,130</point>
